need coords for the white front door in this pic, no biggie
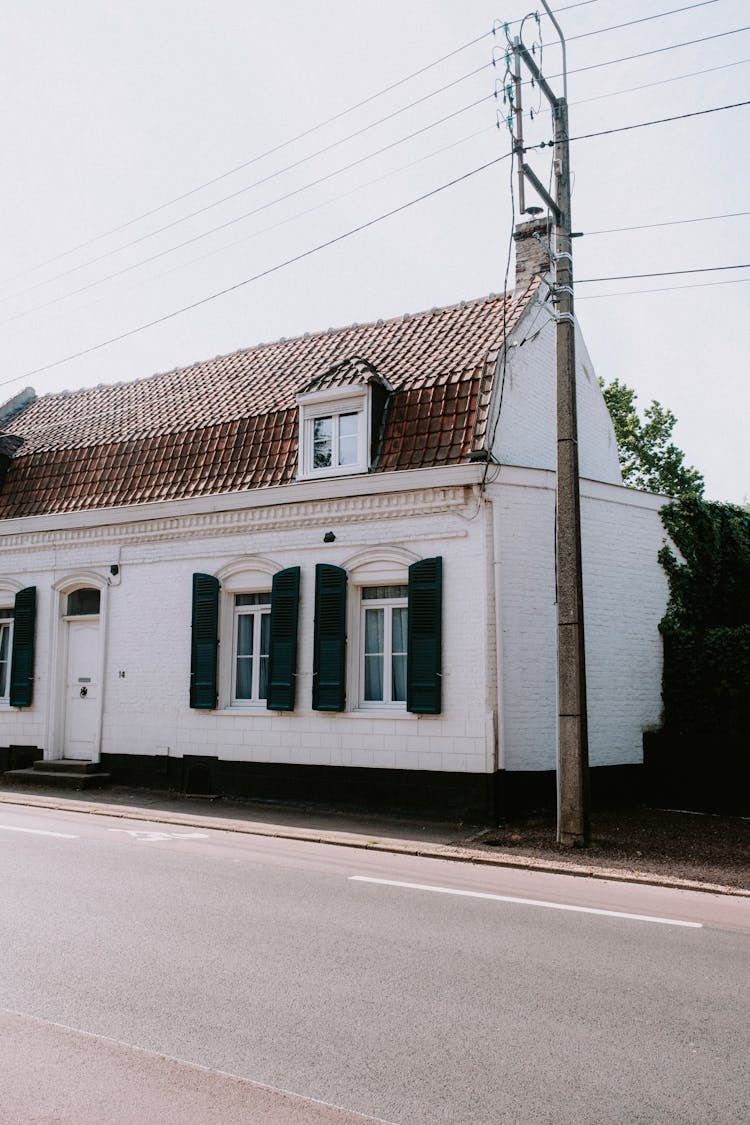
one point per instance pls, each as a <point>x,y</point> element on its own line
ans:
<point>82,690</point>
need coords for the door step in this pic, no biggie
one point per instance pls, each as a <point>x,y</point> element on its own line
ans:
<point>62,773</point>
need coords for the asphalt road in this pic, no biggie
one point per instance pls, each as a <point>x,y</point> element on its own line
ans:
<point>153,973</point>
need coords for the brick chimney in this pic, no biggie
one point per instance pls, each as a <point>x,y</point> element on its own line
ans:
<point>532,240</point>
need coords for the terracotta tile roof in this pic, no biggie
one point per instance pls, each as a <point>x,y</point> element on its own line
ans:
<point>230,423</point>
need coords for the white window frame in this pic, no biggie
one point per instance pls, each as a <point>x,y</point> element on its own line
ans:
<point>251,574</point>
<point>373,566</point>
<point>387,604</point>
<point>6,622</point>
<point>332,404</point>
<point>257,613</point>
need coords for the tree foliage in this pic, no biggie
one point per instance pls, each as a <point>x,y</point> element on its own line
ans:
<point>649,459</point>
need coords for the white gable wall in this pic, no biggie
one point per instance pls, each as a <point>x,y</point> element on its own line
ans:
<point>526,433</point>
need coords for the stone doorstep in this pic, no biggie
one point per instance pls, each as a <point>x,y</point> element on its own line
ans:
<point>62,773</point>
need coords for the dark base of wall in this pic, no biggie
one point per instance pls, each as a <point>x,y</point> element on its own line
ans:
<point>522,791</point>
<point>697,773</point>
<point>469,797</point>
<point>19,757</point>
<point>449,796</point>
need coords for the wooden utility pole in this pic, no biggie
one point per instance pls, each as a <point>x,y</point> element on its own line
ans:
<point>572,738</point>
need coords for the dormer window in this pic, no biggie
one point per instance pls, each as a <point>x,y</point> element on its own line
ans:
<point>340,415</point>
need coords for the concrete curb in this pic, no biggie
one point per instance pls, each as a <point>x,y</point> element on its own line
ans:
<point>366,842</point>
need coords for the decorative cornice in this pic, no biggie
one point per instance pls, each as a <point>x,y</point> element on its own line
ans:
<point>348,509</point>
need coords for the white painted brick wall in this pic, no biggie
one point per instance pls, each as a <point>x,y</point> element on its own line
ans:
<point>526,432</point>
<point>625,595</point>
<point>148,638</point>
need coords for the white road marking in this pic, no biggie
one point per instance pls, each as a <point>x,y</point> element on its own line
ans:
<point>144,834</point>
<point>527,901</point>
<point>39,832</point>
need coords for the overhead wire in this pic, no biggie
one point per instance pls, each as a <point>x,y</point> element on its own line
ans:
<point>642,19</point>
<point>279,147</point>
<point>661,273</point>
<point>266,179</point>
<point>254,159</point>
<point>240,218</point>
<point>663,289</point>
<point>249,187</point>
<point>668,223</point>
<point>297,215</point>
<point>261,274</point>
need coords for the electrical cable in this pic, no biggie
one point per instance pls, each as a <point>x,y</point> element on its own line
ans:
<point>232,222</point>
<point>292,218</point>
<point>258,276</point>
<point>661,273</point>
<point>663,289</point>
<point>656,121</point>
<point>248,187</point>
<point>643,19</point>
<point>253,160</point>
<point>668,223</point>
<point>650,85</point>
<point>654,51</point>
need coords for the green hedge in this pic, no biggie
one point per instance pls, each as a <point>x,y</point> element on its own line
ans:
<point>706,629</point>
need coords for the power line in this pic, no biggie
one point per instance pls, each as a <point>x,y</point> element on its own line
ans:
<point>257,183</point>
<point>656,121</point>
<point>648,85</point>
<point>297,215</point>
<point>248,187</point>
<point>661,273</point>
<point>654,51</point>
<point>258,276</point>
<point>236,219</point>
<point>643,19</point>
<point>663,289</point>
<point>254,159</point>
<point>668,223</point>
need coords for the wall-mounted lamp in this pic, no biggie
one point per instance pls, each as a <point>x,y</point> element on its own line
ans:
<point>329,537</point>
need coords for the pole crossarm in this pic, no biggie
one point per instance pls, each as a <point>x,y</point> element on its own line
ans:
<point>541,190</point>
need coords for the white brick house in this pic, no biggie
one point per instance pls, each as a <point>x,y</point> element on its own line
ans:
<point>323,569</point>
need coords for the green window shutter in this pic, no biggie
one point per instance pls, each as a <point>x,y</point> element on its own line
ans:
<point>424,646</point>
<point>329,648</point>
<point>22,660</point>
<point>282,654</point>
<point>205,641</point>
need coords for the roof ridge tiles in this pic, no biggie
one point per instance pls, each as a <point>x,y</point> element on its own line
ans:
<point>285,341</point>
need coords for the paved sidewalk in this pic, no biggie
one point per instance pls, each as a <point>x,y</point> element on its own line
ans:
<point>455,842</point>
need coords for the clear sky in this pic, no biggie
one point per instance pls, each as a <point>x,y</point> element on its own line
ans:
<point>113,110</point>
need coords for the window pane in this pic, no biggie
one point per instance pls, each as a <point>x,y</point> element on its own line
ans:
<point>348,431</point>
<point>4,639</point>
<point>252,599</point>
<point>245,634</point>
<point>374,638</point>
<point>322,442</point>
<point>81,602</point>
<point>398,686</point>
<point>348,425</point>
<point>382,592</point>
<point>398,638</point>
<point>244,687</point>
<point>374,621</point>
<point>265,637</point>
<point>374,679</point>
